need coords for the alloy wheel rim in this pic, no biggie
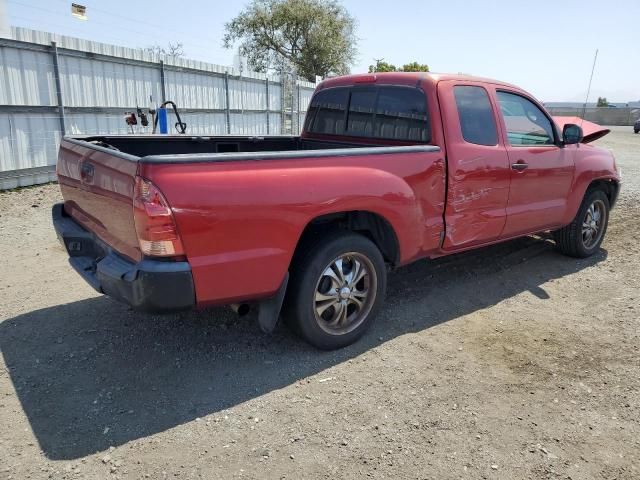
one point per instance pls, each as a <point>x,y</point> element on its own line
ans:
<point>593,224</point>
<point>345,293</point>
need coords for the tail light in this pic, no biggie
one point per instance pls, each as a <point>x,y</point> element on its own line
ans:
<point>155,225</point>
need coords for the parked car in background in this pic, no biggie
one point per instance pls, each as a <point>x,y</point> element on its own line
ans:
<point>389,169</point>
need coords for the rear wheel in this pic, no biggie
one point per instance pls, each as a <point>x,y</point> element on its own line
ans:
<point>336,288</point>
<point>583,237</point>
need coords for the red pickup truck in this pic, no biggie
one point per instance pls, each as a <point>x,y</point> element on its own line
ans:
<point>389,169</point>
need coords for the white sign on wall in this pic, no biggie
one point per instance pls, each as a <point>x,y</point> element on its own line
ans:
<point>79,11</point>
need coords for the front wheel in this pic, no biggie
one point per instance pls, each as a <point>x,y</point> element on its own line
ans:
<point>583,237</point>
<point>336,288</point>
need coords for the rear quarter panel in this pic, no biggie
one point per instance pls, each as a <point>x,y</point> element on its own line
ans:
<point>240,221</point>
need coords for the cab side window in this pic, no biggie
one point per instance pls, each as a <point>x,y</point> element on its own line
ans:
<point>526,124</point>
<point>477,122</point>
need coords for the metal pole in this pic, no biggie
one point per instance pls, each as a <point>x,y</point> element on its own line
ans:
<point>227,107</point>
<point>163,82</point>
<point>584,110</point>
<point>56,73</point>
<point>298,110</point>
<point>283,90</point>
<point>293,84</point>
<point>267,107</point>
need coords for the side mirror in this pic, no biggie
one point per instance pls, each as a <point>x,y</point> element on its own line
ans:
<point>571,134</point>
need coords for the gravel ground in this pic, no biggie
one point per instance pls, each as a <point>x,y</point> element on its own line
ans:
<point>504,363</point>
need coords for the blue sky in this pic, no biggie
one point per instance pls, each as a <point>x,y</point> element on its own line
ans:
<point>546,47</point>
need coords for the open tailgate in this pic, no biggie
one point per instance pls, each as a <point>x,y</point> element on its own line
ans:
<point>97,186</point>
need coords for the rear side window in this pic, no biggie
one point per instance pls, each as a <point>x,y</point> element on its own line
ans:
<point>329,106</point>
<point>385,112</point>
<point>477,122</point>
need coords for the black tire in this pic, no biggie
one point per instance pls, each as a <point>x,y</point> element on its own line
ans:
<point>636,131</point>
<point>570,239</point>
<point>307,274</point>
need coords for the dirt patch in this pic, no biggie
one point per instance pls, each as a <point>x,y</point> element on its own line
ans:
<point>508,362</point>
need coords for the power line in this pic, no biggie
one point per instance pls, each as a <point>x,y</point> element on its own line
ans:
<point>137,22</point>
<point>118,40</point>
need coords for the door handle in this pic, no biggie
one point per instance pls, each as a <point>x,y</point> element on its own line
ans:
<point>520,165</point>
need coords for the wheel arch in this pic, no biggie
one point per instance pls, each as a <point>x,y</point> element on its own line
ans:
<point>372,225</point>
<point>609,186</point>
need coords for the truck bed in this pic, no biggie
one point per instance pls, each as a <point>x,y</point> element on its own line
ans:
<point>97,175</point>
<point>152,145</point>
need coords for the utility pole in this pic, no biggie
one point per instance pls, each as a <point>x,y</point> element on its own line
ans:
<point>377,60</point>
<point>4,20</point>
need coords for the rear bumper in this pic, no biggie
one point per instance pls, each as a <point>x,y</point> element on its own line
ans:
<point>148,285</point>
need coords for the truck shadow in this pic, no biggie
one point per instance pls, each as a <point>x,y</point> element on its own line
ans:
<point>93,374</point>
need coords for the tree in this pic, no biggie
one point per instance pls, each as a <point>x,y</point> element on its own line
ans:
<point>171,50</point>
<point>382,66</point>
<point>602,102</point>
<point>415,67</point>
<point>312,37</point>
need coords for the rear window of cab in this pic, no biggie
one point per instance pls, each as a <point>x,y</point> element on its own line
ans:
<point>386,112</point>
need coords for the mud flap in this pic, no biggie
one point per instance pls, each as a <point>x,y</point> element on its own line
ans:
<point>269,309</point>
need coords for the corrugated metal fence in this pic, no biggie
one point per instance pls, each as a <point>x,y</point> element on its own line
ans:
<point>52,84</point>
